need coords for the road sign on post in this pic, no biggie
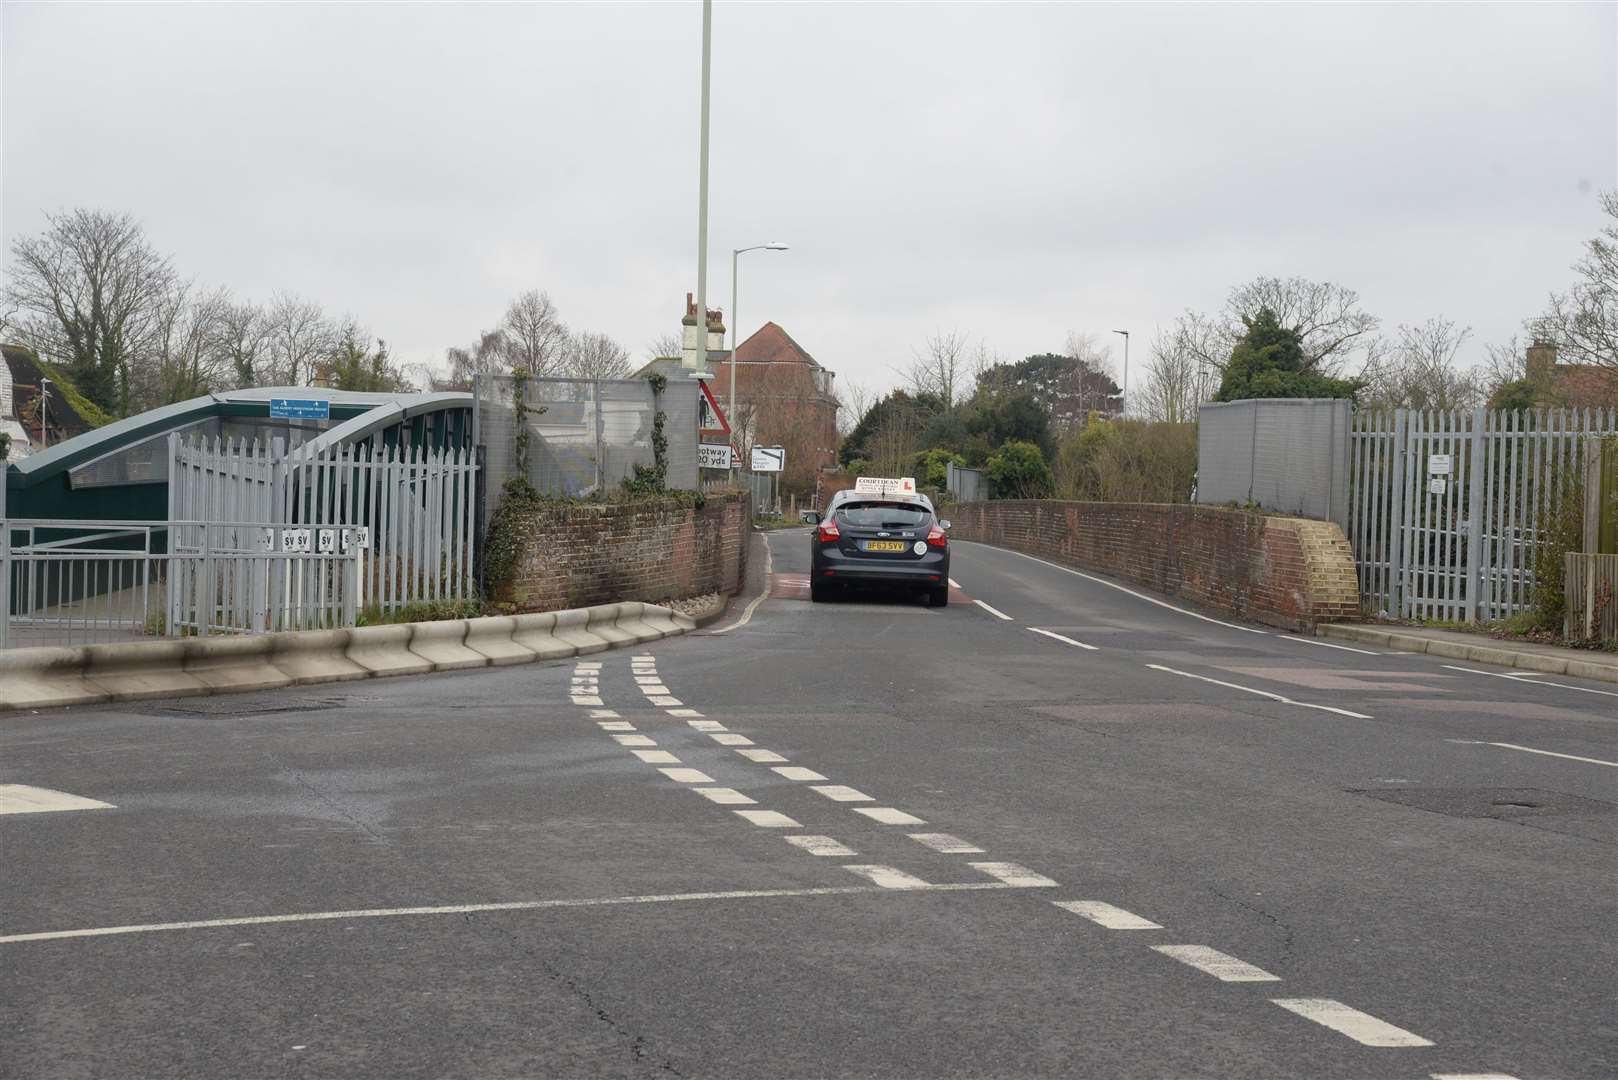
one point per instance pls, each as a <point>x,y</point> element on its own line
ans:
<point>768,459</point>
<point>711,456</point>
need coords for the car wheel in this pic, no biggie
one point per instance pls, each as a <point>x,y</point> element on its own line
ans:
<point>938,597</point>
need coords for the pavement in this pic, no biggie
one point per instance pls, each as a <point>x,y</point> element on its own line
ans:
<point>1061,827</point>
<point>1599,664</point>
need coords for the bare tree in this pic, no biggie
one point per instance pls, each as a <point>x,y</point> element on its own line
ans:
<point>182,358</point>
<point>1421,370</point>
<point>487,355</point>
<point>535,338</point>
<point>1327,316</point>
<point>1176,379</point>
<point>594,356</point>
<point>854,400</point>
<point>90,288</point>
<point>1091,350</point>
<point>664,345</point>
<point>1583,322</point>
<point>942,365</point>
<point>298,334</point>
<point>241,332</point>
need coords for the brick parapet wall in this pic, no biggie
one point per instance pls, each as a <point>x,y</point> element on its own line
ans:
<point>1287,572</point>
<point>578,554</point>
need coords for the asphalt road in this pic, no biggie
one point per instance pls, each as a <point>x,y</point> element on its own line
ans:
<point>1190,849</point>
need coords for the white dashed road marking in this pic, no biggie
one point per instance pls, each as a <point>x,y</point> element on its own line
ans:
<point>1531,680</point>
<point>945,843</point>
<point>687,776</point>
<point>724,795</point>
<point>634,740</point>
<point>596,714</point>
<point>1221,966</point>
<point>992,611</point>
<point>1260,693</point>
<point>615,725</point>
<point>1012,874</point>
<point>887,877</point>
<point>1531,750</point>
<point>1361,1027</point>
<point>841,793</point>
<point>656,757</point>
<point>683,713</point>
<point>725,739</point>
<point>707,725</point>
<point>648,680</point>
<point>1113,918</point>
<point>794,772</point>
<point>820,845</point>
<point>1064,640</point>
<point>763,757</point>
<point>768,819</point>
<point>1472,1076</point>
<point>579,699</point>
<point>887,815</point>
<point>23,799</point>
<point>664,702</point>
<point>653,687</point>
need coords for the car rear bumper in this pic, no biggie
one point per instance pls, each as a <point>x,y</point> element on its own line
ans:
<point>929,571</point>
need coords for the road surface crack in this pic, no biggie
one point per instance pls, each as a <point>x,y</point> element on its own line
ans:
<point>1286,930</point>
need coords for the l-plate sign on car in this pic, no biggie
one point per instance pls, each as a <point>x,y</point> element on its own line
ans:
<point>877,485</point>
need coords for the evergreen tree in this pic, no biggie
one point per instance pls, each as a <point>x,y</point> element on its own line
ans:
<point>1269,362</point>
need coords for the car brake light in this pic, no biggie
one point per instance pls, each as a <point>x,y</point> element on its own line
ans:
<point>828,531</point>
<point>937,538</point>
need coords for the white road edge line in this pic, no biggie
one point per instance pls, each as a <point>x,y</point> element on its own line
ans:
<point>1120,588</point>
<point>1260,693</point>
<point>1531,750</point>
<point>472,909</point>
<point>1530,681</point>
<point>1300,639</point>
<point>1065,640</point>
<point>747,612</point>
<point>1471,1076</point>
<point>993,611</point>
<point>1361,1027</point>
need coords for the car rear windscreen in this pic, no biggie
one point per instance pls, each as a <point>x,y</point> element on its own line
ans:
<point>883,515</point>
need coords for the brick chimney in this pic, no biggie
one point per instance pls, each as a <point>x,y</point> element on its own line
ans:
<point>1541,362</point>
<point>688,332</point>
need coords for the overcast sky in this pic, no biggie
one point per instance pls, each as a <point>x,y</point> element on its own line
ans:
<point>1012,171</point>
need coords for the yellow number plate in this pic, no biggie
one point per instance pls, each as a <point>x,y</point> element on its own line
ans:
<point>885,545</point>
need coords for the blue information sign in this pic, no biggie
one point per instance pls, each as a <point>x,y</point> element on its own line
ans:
<point>299,409</point>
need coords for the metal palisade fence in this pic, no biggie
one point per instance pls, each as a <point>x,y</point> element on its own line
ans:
<point>1448,509</point>
<point>410,511</point>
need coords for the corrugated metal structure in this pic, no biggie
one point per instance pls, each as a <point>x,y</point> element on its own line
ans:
<point>1289,455</point>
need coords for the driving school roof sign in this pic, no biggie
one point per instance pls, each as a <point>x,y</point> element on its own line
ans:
<point>878,485</point>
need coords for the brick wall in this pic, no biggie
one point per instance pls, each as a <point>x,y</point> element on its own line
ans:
<point>575,555</point>
<point>1286,572</point>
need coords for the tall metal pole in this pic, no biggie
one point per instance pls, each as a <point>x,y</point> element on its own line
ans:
<point>702,199</point>
<point>1124,405</point>
<point>44,402</point>
<point>735,259</point>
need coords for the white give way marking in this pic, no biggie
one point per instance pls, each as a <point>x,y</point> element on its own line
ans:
<point>22,799</point>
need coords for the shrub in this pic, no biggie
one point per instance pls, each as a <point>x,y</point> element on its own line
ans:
<point>1018,471</point>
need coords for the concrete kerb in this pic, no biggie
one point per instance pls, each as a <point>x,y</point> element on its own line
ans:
<point>632,621</point>
<point>314,656</point>
<point>663,620</point>
<point>571,627</point>
<point>444,643</point>
<point>536,632</point>
<point>233,663</point>
<point>492,637</point>
<point>603,622</point>
<point>140,670</point>
<point>40,678</point>
<point>385,650</point>
<point>1503,656</point>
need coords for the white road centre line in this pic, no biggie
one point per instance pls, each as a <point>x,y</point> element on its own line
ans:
<point>763,757</point>
<point>796,772</point>
<point>580,699</point>
<point>615,725</point>
<point>1064,640</point>
<point>993,611</point>
<point>887,877</point>
<point>1260,693</point>
<point>820,845</point>
<point>1013,874</point>
<point>1300,639</point>
<point>1531,681</point>
<point>1471,1076</point>
<point>841,793</point>
<point>24,799</point>
<point>1531,750</point>
<point>724,796</point>
<point>683,713</point>
<point>946,844</point>
<point>1131,592</point>
<point>665,702</point>
<point>725,738</point>
<point>887,815</point>
<point>597,714</point>
<point>634,740</point>
<point>1221,966</point>
<point>687,776</point>
<point>1361,1027</point>
<point>656,757</point>
<point>1104,914</point>
<point>707,725</point>
<point>768,819</point>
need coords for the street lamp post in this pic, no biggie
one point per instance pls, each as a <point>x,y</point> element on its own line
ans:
<point>44,400</point>
<point>702,196</point>
<point>735,323</point>
<point>1124,407</point>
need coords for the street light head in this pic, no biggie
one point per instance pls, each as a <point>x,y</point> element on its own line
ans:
<point>776,246</point>
<point>1123,332</point>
